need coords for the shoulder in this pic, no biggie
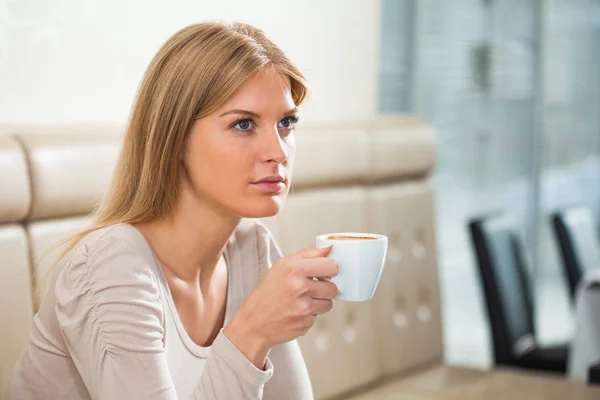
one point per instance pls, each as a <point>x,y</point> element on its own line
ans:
<point>108,290</point>
<point>123,234</point>
<point>116,258</point>
<point>111,247</point>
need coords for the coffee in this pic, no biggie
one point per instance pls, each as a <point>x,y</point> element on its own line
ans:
<point>348,237</point>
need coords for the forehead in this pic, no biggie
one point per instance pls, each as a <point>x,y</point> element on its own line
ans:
<point>268,90</point>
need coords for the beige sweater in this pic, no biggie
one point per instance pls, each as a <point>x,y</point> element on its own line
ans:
<point>108,329</point>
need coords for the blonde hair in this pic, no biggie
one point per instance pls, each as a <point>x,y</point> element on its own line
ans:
<point>197,70</point>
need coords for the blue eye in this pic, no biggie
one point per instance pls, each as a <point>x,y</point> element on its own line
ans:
<point>288,123</point>
<point>243,125</point>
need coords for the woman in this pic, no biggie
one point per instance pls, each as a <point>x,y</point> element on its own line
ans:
<point>171,295</point>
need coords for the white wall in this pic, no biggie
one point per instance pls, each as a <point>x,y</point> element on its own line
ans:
<point>67,61</point>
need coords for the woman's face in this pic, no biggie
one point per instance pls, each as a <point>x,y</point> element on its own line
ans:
<point>240,156</point>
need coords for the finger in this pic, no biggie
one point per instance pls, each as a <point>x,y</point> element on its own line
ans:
<point>322,290</point>
<point>321,306</point>
<point>317,267</point>
<point>314,252</point>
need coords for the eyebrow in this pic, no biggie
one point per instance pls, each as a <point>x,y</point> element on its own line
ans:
<point>255,115</point>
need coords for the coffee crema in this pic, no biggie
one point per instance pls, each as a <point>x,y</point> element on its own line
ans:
<point>348,237</point>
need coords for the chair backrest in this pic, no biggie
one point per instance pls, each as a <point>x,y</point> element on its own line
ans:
<point>505,285</point>
<point>575,231</point>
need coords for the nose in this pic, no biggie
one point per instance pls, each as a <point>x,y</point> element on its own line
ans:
<point>274,149</point>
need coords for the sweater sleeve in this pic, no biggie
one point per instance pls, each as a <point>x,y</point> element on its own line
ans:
<point>111,316</point>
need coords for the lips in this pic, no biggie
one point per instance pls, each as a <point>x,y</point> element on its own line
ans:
<point>271,179</point>
<point>271,184</point>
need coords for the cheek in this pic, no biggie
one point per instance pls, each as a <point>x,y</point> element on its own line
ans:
<point>218,165</point>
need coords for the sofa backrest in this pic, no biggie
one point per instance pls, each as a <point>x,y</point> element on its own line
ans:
<point>371,177</point>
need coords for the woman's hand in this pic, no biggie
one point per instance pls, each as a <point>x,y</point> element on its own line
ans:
<point>284,304</point>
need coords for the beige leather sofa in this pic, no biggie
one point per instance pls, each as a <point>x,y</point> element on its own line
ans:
<point>365,177</point>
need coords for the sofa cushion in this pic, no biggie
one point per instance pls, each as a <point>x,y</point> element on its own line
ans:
<point>16,309</point>
<point>70,170</point>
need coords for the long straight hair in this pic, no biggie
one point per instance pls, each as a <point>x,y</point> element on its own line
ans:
<point>197,70</point>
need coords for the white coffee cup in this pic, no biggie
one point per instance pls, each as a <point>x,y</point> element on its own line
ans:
<point>360,257</point>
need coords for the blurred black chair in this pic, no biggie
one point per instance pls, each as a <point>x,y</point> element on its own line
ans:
<point>508,299</point>
<point>575,231</point>
<point>594,374</point>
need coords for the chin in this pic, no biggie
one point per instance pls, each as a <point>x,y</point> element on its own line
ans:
<point>263,208</point>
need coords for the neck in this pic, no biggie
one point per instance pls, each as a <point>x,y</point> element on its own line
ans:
<point>190,241</point>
